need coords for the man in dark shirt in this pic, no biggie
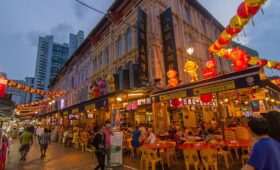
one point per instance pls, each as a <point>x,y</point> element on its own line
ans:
<point>265,154</point>
<point>99,143</point>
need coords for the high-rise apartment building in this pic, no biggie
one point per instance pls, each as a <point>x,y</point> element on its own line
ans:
<point>75,41</point>
<point>51,57</point>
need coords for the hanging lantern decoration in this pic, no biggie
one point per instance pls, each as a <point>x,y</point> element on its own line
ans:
<point>3,85</point>
<point>245,12</point>
<point>176,102</point>
<point>111,81</point>
<point>191,67</point>
<point>263,62</point>
<point>239,59</point>
<point>254,2</point>
<point>211,69</point>
<point>242,11</point>
<point>206,98</point>
<point>271,64</point>
<point>172,79</point>
<point>232,31</point>
<point>237,22</point>
<point>253,60</point>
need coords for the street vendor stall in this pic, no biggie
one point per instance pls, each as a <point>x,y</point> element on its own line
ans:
<point>242,93</point>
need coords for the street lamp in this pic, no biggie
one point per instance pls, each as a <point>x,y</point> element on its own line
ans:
<point>190,50</point>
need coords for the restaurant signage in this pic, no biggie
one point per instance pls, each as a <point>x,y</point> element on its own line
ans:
<point>65,113</point>
<point>142,46</point>
<point>229,85</point>
<point>175,95</point>
<point>90,107</point>
<point>76,110</point>
<point>168,38</point>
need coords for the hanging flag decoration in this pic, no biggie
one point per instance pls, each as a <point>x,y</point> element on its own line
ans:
<point>191,67</point>
<point>168,40</point>
<point>142,46</point>
<point>245,12</point>
<point>34,91</point>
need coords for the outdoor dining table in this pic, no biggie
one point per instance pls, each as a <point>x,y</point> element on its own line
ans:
<point>158,146</point>
<point>197,146</point>
<point>237,143</point>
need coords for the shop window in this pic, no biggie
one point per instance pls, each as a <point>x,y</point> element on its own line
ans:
<point>119,46</point>
<point>128,39</point>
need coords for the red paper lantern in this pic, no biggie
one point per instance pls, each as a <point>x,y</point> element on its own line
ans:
<point>206,98</point>
<point>175,102</point>
<point>242,11</point>
<point>252,10</point>
<point>223,41</point>
<point>232,31</point>
<point>263,62</point>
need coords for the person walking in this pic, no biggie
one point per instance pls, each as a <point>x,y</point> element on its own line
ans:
<point>265,154</point>
<point>98,142</point>
<point>44,140</point>
<point>26,140</point>
<point>108,133</point>
<point>39,132</point>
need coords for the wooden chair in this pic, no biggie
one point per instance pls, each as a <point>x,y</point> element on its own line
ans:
<point>209,159</point>
<point>191,158</point>
<point>153,158</point>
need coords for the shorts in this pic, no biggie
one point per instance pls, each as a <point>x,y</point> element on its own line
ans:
<point>43,146</point>
<point>24,148</point>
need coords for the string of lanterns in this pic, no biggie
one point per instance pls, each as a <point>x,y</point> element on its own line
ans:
<point>241,59</point>
<point>33,90</point>
<point>245,12</point>
<point>28,105</point>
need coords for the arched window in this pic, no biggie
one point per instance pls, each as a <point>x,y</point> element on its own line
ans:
<point>119,46</point>
<point>128,40</point>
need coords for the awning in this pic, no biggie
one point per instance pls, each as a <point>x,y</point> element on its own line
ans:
<point>253,76</point>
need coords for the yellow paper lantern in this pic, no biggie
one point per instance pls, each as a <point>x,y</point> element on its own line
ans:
<point>254,2</point>
<point>237,22</point>
<point>270,64</point>
<point>254,60</point>
<point>226,36</point>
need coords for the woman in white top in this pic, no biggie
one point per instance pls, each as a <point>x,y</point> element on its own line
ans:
<point>152,137</point>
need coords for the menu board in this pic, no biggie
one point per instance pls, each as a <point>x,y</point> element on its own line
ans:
<point>116,149</point>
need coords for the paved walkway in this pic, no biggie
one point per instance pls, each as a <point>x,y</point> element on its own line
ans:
<point>60,158</point>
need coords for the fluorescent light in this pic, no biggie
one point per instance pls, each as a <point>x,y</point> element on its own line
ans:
<point>135,94</point>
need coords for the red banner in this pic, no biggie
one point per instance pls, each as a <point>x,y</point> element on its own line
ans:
<point>3,84</point>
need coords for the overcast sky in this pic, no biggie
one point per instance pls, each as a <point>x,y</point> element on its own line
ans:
<point>23,21</point>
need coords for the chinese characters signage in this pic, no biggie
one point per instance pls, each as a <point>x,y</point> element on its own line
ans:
<point>142,46</point>
<point>168,38</point>
<point>175,95</point>
<point>214,88</point>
